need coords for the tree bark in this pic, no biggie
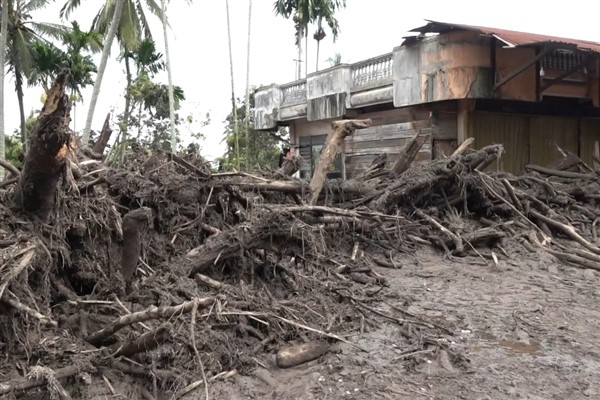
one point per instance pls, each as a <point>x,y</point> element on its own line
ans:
<point>335,138</point>
<point>248,86</point>
<point>101,68</point>
<point>233,105</point>
<point>3,29</point>
<point>45,160</point>
<point>170,80</point>
<point>100,145</point>
<point>127,111</point>
<point>408,154</point>
<point>20,95</point>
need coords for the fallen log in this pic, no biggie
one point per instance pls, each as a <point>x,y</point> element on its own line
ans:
<point>408,154</point>
<point>146,342</point>
<point>562,174</point>
<point>341,129</point>
<point>46,158</point>
<point>295,355</point>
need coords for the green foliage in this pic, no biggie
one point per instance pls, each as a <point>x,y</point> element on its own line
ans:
<point>49,60</point>
<point>305,12</point>
<point>148,101</point>
<point>335,60</point>
<point>262,149</point>
<point>13,149</point>
<point>133,26</point>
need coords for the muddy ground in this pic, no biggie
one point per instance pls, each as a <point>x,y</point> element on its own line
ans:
<point>528,328</point>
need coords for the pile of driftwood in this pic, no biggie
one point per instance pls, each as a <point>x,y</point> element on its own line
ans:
<point>161,276</point>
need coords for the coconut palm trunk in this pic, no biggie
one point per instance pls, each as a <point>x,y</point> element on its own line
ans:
<point>248,86</point>
<point>20,95</point>
<point>101,68</point>
<point>235,120</point>
<point>3,35</point>
<point>170,77</point>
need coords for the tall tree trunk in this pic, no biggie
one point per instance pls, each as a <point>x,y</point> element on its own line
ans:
<point>3,30</point>
<point>248,86</point>
<point>101,68</point>
<point>299,62</point>
<point>170,77</point>
<point>306,52</point>
<point>318,45</point>
<point>127,111</point>
<point>20,95</point>
<point>235,120</point>
<point>46,158</point>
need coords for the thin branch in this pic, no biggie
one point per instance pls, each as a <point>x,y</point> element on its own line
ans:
<point>151,313</point>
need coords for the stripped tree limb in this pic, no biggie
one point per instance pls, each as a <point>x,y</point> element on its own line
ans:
<point>575,259</point>
<point>335,138</point>
<point>146,342</point>
<point>17,305</point>
<point>151,313</point>
<point>9,167</point>
<point>28,254</point>
<point>562,174</point>
<point>458,243</point>
<point>567,230</point>
<point>25,383</point>
<point>464,146</point>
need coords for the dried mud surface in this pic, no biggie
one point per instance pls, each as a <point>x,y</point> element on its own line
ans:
<point>527,329</point>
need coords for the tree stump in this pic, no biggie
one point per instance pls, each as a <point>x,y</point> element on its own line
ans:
<point>47,155</point>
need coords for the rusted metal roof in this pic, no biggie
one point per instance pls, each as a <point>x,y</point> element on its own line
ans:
<point>510,38</point>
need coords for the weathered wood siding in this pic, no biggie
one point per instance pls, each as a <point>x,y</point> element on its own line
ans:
<point>589,139</point>
<point>534,139</point>
<point>510,131</point>
<point>548,132</point>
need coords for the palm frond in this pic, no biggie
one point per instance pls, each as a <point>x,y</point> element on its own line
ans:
<point>55,31</point>
<point>34,5</point>
<point>129,32</point>
<point>21,56</point>
<point>68,8</point>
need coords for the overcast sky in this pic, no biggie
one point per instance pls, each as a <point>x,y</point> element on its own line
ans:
<point>200,60</point>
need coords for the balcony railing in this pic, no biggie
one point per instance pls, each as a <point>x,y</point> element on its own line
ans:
<point>294,93</point>
<point>374,71</point>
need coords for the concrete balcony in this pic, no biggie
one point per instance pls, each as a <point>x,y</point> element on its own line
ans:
<point>326,94</point>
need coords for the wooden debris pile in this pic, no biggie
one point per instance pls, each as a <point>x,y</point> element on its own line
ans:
<point>161,277</point>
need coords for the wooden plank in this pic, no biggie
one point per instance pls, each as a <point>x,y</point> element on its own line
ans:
<point>380,150</point>
<point>351,146</point>
<point>522,68</point>
<point>397,134</point>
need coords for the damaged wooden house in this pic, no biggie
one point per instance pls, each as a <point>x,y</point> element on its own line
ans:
<point>532,93</point>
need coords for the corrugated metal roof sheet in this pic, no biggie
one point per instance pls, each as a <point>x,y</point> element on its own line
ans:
<point>511,38</point>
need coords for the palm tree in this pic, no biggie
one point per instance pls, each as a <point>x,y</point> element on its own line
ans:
<point>234,108</point>
<point>105,52</point>
<point>335,60</point>
<point>171,96</point>
<point>248,84</point>
<point>22,34</point>
<point>3,30</point>
<point>305,12</point>
<point>130,28</point>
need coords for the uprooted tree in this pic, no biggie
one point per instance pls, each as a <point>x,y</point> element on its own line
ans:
<point>146,277</point>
